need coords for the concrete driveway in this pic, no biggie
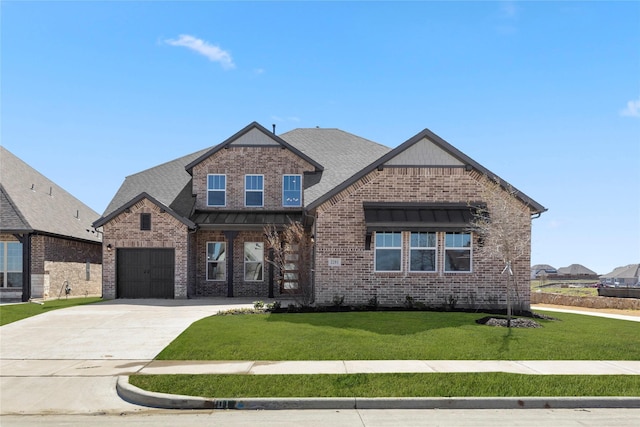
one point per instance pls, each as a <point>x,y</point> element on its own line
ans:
<point>67,361</point>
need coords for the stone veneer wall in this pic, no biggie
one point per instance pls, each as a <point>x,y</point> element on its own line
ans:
<point>123,231</point>
<point>341,233</point>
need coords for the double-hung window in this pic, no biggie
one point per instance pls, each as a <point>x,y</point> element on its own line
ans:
<point>388,255</point>
<point>254,190</point>
<point>253,261</point>
<point>216,190</point>
<point>216,260</point>
<point>457,252</point>
<point>423,252</point>
<point>292,190</point>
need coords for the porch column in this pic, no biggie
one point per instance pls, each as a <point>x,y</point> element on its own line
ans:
<point>230,236</point>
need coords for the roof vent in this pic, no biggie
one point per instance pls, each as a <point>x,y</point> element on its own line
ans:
<point>274,128</point>
<point>33,187</point>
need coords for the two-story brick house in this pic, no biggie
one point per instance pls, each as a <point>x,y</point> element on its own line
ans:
<point>385,223</point>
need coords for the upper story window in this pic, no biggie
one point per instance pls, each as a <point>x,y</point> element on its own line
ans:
<point>216,190</point>
<point>254,190</point>
<point>388,251</point>
<point>423,252</point>
<point>292,190</point>
<point>145,221</point>
<point>457,252</point>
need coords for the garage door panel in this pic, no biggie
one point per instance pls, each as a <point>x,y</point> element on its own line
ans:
<point>145,273</point>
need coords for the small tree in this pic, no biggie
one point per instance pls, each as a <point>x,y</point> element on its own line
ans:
<point>292,256</point>
<point>501,226</point>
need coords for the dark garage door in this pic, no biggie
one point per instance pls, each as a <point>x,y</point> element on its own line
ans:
<point>145,273</point>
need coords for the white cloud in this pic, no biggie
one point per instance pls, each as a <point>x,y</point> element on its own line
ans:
<point>212,52</point>
<point>632,109</point>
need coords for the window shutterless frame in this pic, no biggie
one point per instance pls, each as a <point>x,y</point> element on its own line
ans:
<point>216,261</point>
<point>423,252</point>
<point>457,253</point>
<point>254,190</point>
<point>216,190</point>
<point>388,252</point>
<point>292,190</point>
<point>253,261</point>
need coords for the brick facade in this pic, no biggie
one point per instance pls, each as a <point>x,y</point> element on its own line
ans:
<point>341,233</point>
<point>273,162</point>
<point>339,228</point>
<point>56,262</point>
<point>123,231</point>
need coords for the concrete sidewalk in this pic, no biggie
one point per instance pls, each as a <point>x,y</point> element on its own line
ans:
<point>529,367</point>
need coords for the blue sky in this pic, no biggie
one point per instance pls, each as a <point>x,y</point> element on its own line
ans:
<point>544,94</point>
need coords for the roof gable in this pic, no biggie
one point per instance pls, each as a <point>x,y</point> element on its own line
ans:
<point>40,204</point>
<point>105,219</point>
<point>253,135</point>
<point>426,149</point>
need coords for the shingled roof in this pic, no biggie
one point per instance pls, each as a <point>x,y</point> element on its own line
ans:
<point>168,183</point>
<point>32,202</point>
<point>341,153</point>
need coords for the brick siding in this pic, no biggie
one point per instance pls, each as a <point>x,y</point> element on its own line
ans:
<point>236,162</point>
<point>123,231</point>
<point>341,233</point>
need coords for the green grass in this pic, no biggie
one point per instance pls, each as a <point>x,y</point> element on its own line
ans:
<point>390,385</point>
<point>402,336</point>
<point>14,312</point>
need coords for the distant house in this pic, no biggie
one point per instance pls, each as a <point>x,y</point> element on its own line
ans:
<point>48,247</point>
<point>576,271</point>
<point>628,275</point>
<point>386,223</point>
<point>543,270</point>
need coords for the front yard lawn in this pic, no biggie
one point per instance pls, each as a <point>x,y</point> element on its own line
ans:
<point>409,335</point>
<point>391,385</point>
<point>398,336</point>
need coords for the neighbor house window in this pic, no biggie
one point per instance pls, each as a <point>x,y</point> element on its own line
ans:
<point>253,261</point>
<point>145,221</point>
<point>457,252</point>
<point>423,252</point>
<point>216,190</point>
<point>292,190</point>
<point>388,252</point>
<point>253,190</point>
<point>11,264</point>
<point>216,260</point>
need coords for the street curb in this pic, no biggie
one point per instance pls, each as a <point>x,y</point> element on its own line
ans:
<point>138,396</point>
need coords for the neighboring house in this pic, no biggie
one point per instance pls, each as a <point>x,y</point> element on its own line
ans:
<point>576,271</point>
<point>543,271</point>
<point>48,247</point>
<point>628,275</point>
<point>386,223</point>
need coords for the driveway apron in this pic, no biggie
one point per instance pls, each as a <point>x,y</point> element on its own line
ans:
<point>67,360</point>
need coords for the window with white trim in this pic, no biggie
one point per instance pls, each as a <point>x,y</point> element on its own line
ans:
<point>216,260</point>
<point>292,190</point>
<point>388,252</point>
<point>216,190</point>
<point>253,261</point>
<point>422,251</point>
<point>457,252</point>
<point>10,264</point>
<point>254,190</point>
